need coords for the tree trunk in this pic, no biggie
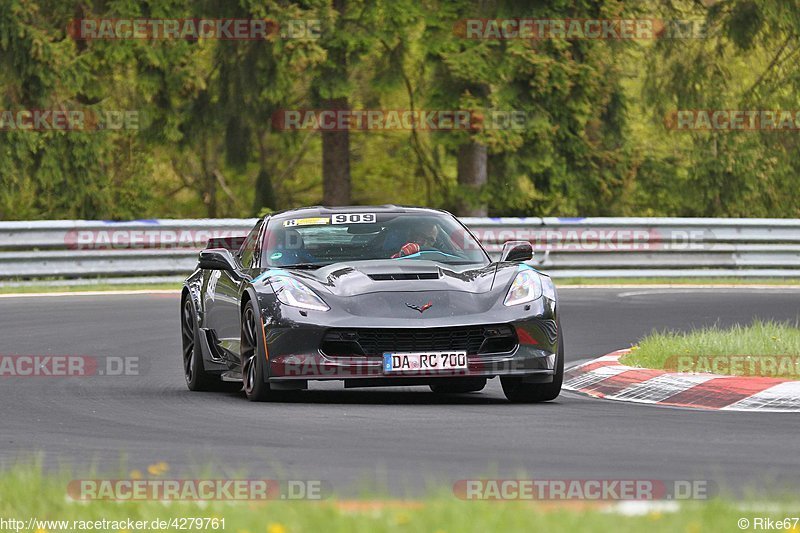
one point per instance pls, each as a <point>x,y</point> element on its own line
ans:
<point>265,193</point>
<point>335,160</point>
<point>210,194</point>
<point>335,144</point>
<point>472,158</point>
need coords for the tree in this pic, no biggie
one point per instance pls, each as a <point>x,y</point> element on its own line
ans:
<point>331,89</point>
<point>746,59</point>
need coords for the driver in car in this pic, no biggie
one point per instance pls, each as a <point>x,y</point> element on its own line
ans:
<point>423,236</point>
<point>289,248</point>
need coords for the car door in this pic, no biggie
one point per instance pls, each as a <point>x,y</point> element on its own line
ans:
<point>224,313</point>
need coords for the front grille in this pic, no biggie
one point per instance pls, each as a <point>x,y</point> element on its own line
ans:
<point>375,342</point>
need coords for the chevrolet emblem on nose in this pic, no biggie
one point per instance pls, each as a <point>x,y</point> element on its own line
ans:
<point>420,309</point>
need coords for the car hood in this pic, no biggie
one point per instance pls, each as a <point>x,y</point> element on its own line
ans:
<point>364,277</point>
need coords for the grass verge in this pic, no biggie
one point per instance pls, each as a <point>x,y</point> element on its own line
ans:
<point>26,494</point>
<point>31,289</point>
<point>763,348</point>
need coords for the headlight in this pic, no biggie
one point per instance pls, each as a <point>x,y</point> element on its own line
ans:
<point>527,287</point>
<point>292,292</point>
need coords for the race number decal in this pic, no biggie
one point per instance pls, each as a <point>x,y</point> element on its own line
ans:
<point>354,218</point>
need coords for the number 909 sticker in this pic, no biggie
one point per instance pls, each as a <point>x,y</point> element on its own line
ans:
<point>354,218</point>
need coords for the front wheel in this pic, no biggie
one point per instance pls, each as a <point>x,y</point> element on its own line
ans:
<point>518,392</point>
<point>254,356</point>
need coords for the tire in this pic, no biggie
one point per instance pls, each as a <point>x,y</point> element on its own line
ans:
<point>254,357</point>
<point>518,392</point>
<point>459,386</point>
<point>197,379</point>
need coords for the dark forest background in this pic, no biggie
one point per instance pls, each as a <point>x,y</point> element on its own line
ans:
<point>595,142</point>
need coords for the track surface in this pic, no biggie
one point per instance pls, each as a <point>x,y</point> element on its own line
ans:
<point>402,440</point>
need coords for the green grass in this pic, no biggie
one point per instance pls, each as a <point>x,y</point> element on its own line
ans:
<point>25,493</point>
<point>86,288</point>
<point>755,345</point>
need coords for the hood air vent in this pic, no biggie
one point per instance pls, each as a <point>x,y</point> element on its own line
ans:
<point>404,276</point>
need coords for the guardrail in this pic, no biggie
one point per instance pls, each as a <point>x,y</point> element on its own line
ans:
<point>564,247</point>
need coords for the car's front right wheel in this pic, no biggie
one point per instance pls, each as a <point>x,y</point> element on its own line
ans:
<point>517,391</point>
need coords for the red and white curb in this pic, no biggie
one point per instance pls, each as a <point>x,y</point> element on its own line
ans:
<point>605,377</point>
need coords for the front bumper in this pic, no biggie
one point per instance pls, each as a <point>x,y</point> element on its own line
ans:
<point>294,354</point>
<point>294,337</point>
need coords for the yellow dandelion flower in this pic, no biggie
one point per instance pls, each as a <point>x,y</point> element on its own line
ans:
<point>158,468</point>
<point>276,528</point>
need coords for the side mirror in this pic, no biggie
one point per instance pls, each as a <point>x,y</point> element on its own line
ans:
<point>517,251</point>
<point>217,259</point>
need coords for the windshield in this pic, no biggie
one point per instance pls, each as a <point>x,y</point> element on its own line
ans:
<point>315,241</point>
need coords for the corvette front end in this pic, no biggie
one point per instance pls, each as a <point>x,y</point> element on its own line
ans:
<point>350,337</point>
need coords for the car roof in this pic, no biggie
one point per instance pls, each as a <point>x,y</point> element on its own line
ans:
<point>319,210</point>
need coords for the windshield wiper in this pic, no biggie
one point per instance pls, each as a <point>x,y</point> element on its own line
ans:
<point>306,266</point>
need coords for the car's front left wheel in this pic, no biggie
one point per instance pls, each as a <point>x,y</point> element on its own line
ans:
<point>254,356</point>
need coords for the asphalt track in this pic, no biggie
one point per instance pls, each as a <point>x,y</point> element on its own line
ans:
<point>401,440</point>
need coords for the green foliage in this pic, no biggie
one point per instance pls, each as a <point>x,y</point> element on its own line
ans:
<point>594,140</point>
<point>748,61</point>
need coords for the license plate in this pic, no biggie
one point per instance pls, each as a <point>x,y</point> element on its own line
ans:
<point>424,362</point>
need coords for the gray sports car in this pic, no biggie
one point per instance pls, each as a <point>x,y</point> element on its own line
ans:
<point>373,296</point>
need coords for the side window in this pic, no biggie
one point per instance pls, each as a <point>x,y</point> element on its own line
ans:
<point>248,253</point>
